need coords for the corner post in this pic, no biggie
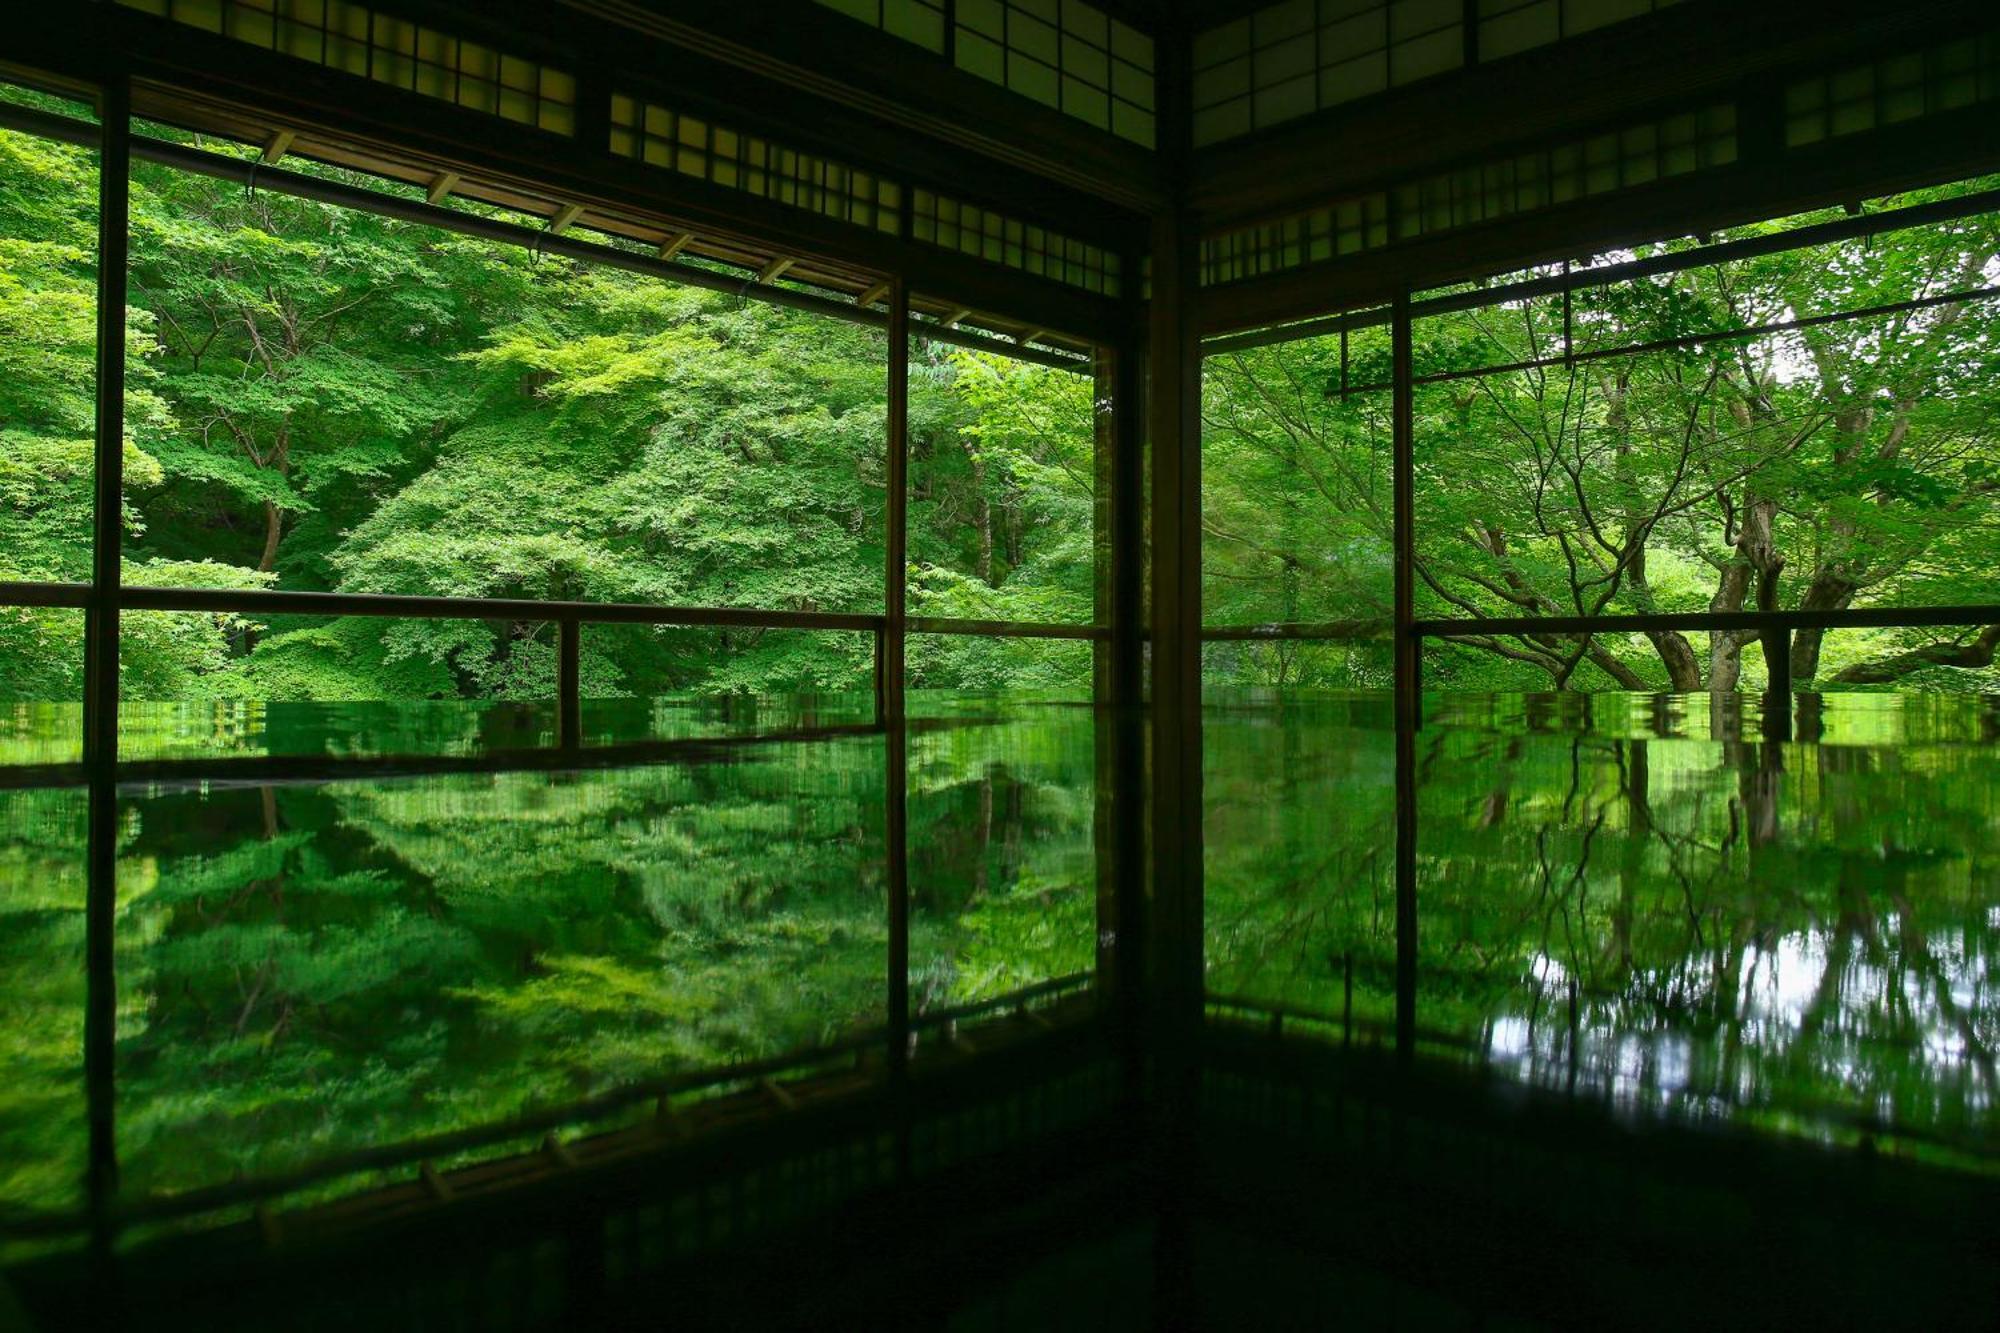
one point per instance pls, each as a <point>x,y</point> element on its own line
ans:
<point>890,694</point>
<point>1408,682</point>
<point>100,701</point>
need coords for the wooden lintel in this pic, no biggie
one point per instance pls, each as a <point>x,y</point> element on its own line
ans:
<point>673,245</point>
<point>568,213</point>
<point>776,269</point>
<point>784,1099</point>
<point>441,185</point>
<point>951,321</point>
<point>557,1151</point>
<point>277,146</point>
<point>1026,336</point>
<point>872,295</point>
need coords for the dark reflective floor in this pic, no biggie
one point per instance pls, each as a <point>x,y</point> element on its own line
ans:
<point>1632,899</point>
<point>305,969</point>
<point>1637,898</point>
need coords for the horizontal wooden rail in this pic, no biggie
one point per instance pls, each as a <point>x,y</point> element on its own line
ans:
<point>265,769</point>
<point>1720,252</point>
<point>276,601</point>
<point>1870,617</point>
<point>1041,990</point>
<point>271,601</point>
<point>45,594</point>
<point>1687,341</point>
<point>1005,629</point>
<point>1382,629</point>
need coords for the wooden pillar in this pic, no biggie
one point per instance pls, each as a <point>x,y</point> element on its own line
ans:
<point>1174,427</point>
<point>100,702</point>
<point>1119,681</point>
<point>1408,675</point>
<point>890,701</point>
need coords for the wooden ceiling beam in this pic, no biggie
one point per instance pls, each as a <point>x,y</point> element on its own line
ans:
<point>818,75</point>
<point>1681,57</point>
<point>473,156</point>
<point>1955,146</point>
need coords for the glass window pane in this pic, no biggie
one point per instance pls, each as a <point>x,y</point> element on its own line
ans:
<point>1296,497</point>
<point>1003,455</point>
<point>334,400</point>
<point>1841,464</point>
<point>951,673</point>
<point>48,379</point>
<point>41,685</point>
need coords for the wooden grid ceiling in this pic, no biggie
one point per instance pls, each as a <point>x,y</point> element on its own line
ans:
<point>670,238</point>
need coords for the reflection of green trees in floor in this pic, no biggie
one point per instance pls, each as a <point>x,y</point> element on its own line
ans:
<point>1003,878</point>
<point>317,968</point>
<point>42,1135</point>
<point>1777,930</point>
<point>310,969</point>
<point>1742,930</point>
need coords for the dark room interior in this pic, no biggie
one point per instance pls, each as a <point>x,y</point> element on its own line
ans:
<point>999,664</point>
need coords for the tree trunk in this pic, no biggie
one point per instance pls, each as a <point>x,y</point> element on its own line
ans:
<point>983,520</point>
<point>1677,655</point>
<point>1966,656</point>
<point>1757,565</point>
<point>1830,590</point>
<point>274,528</point>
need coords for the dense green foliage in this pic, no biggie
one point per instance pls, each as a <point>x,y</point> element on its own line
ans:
<point>1854,462</point>
<point>326,399</point>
